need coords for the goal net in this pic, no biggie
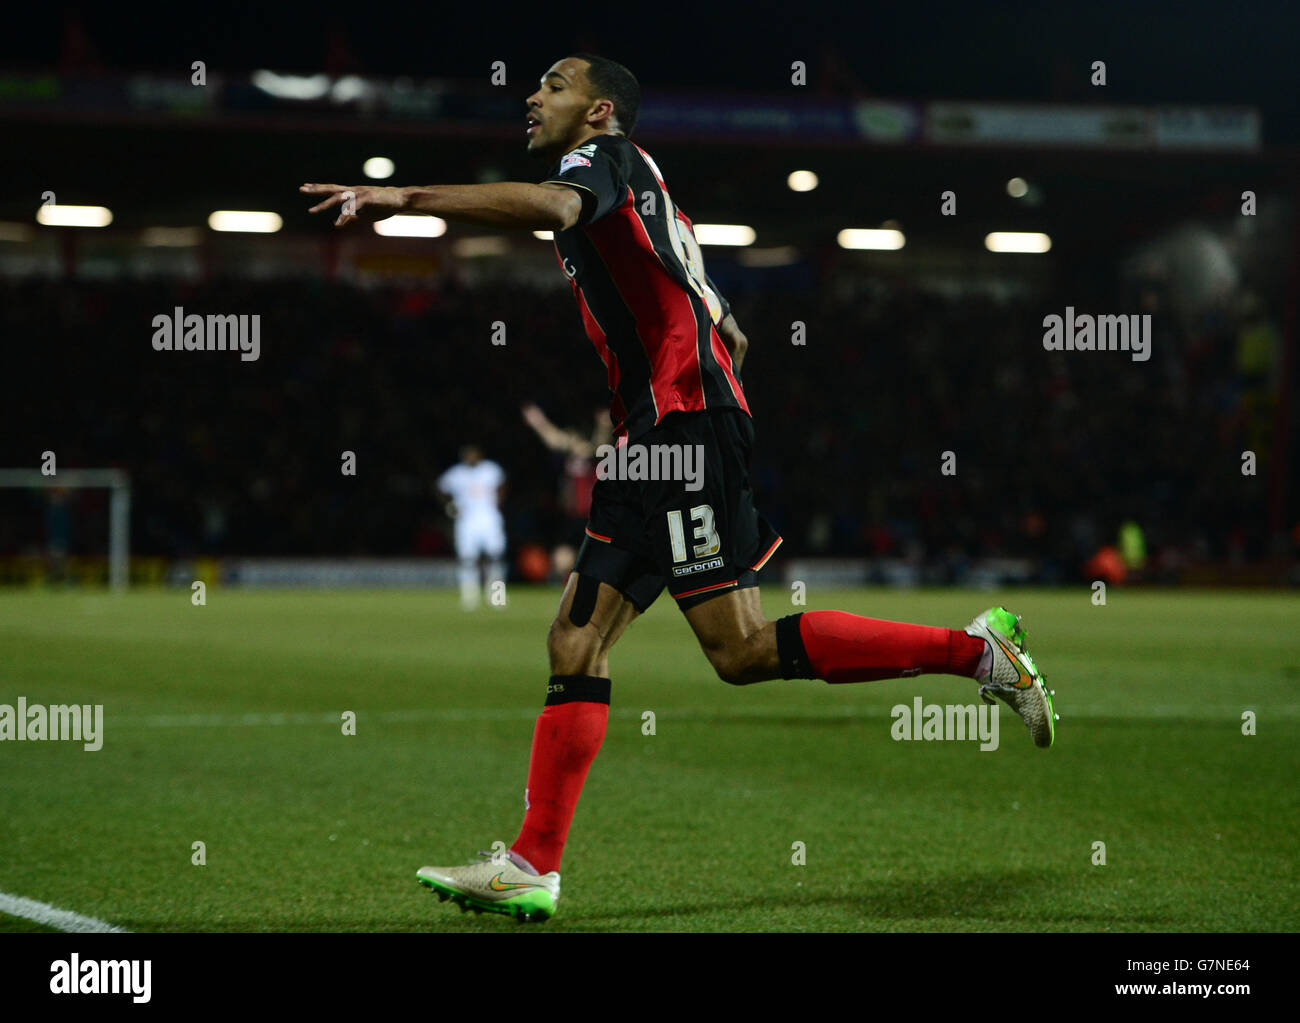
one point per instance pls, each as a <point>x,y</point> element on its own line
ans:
<point>48,536</point>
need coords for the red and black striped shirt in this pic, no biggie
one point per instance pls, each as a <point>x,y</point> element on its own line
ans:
<point>646,302</point>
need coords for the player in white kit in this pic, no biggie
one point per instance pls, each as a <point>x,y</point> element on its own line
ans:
<point>472,490</point>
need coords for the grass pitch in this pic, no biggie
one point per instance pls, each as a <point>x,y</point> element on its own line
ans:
<point>222,725</point>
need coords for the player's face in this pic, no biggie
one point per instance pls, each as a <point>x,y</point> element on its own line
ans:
<point>557,112</point>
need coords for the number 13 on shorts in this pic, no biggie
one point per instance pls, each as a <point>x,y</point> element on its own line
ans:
<point>702,518</point>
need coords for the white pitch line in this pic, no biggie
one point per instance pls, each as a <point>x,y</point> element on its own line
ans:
<point>51,916</point>
<point>1196,712</point>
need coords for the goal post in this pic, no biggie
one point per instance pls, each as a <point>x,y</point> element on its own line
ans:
<point>118,484</point>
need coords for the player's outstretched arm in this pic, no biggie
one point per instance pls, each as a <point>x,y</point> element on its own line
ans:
<point>736,342</point>
<point>508,204</point>
<point>554,437</point>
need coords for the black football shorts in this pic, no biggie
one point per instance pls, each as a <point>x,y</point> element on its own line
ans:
<point>696,531</point>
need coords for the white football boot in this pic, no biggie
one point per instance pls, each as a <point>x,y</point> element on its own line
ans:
<point>495,884</point>
<point>1014,677</point>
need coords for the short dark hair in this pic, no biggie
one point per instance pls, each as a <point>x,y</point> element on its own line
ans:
<point>614,82</point>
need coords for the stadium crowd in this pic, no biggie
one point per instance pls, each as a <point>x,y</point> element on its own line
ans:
<point>1051,451</point>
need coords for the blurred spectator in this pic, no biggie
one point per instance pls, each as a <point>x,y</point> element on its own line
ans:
<point>1053,450</point>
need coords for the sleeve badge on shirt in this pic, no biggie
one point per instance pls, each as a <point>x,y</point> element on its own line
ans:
<point>573,160</point>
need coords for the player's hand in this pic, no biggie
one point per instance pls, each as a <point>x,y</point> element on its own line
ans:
<point>533,416</point>
<point>451,509</point>
<point>735,340</point>
<point>357,202</point>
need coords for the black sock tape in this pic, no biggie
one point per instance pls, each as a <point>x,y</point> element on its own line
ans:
<point>577,688</point>
<point>790,649</point>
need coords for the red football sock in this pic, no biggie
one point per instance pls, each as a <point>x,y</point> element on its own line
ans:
<point>565,742</point>
<point>846,648</point>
